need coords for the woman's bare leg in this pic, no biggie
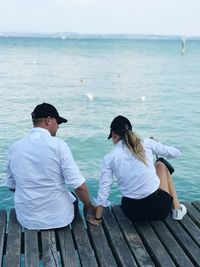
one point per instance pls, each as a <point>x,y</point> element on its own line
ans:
<point>166,182</point>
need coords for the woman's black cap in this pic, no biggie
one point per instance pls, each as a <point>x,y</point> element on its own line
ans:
<point>45,110</point>
<point>120,124</point>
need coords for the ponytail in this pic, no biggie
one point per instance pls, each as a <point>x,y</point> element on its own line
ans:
<point>133,142</point>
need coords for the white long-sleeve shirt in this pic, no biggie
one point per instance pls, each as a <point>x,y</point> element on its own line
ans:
<point>134,179</point>
<point>39,168</point>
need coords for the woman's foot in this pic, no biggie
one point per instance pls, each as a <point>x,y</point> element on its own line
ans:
<point>178,214</point>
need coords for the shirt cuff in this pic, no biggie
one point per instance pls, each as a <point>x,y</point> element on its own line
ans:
<point>80,182</point>
<point>100,202</point>
<point>11,185</point>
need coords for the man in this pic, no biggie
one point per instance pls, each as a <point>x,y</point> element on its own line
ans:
<point>40,166</point>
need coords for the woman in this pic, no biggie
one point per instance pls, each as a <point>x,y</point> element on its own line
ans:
<point>147,190</point>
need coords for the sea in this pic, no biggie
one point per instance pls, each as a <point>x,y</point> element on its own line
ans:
<point>92,80</point>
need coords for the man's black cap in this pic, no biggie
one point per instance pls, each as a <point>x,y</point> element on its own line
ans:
<point>45,110</point>
<point>120,124</point>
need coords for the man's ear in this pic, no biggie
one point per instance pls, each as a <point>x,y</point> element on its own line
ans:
<point>48,120</point>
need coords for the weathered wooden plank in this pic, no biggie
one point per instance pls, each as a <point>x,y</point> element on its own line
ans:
<point>2,233</point>
<point>188,245</point>
<point>171,245</point>
<point>191,228</point>
<point>196,204</point>
<point>67,248</point>
<point>100,245</point>
<point>31,249</point>
<point>153,245</point>
<point>86,253</point>
<point>133,239</point>
<point>13,249</point>
<point>193,213</point>
<point>118,245</point>
<point>49,250</point>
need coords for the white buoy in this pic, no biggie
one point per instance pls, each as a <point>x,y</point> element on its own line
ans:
<point>183,45</point>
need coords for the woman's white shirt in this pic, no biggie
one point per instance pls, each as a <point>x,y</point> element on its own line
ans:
<point>134,179</point>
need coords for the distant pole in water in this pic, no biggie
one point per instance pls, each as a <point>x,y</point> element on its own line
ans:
<point>183,46</point>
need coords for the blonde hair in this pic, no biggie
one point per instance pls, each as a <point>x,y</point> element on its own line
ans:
<point>133,142</point>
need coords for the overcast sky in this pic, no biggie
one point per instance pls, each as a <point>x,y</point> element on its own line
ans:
<point>165,17</point>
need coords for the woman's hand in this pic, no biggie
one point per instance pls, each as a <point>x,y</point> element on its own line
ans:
<point>98,215</point>
<point>89,212</point>
<point>93,216</point>
<point>99,211</point>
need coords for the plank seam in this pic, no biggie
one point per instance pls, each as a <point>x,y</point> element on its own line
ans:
<point>124,236</point>
<point>188,232</point>
<point>92,244</point>
<point>181,244</point>
<point>147,247</point>
<point>165,246</point>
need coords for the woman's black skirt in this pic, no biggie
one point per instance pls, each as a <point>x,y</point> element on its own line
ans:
<point>154,207</point>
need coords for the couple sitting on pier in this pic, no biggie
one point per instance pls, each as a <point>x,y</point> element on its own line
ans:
<point>40,166</point>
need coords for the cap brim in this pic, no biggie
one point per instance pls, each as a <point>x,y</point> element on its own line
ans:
<point>61,120</point>
<point>110,135</point>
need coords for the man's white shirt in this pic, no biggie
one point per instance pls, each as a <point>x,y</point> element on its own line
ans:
<point>40,168</point>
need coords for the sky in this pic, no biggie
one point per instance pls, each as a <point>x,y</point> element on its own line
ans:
<point>169,17</point>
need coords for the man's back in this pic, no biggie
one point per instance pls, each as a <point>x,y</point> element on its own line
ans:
<point>40,165</point>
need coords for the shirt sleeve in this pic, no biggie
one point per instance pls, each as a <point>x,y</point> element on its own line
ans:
<point>166,151</point>
<point>70,171</point>
<point>10,181</point>
<point>105,182</point>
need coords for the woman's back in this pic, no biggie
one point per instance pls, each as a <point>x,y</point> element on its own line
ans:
<point>135,179</point>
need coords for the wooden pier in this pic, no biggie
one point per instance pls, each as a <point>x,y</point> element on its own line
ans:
<point>116,243</point>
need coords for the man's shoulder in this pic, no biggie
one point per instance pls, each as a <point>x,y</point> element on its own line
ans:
<point>58,141</point>
<point>17,143</point>
<point>59,144</point>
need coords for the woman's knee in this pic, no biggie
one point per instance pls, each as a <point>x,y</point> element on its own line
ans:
<point>160,166</point>
<point>161,171</point>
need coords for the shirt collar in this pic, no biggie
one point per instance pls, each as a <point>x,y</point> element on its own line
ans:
<point>39,129</point>
<point>120,143</point>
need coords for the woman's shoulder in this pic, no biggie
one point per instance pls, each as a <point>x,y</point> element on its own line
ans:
<point>109,155</point>
<point>118,151</point>
<point>147,141</point>
<point>150,143</point>
<point>112,154</point>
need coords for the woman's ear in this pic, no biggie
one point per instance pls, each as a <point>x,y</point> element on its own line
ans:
<point>115,137</point>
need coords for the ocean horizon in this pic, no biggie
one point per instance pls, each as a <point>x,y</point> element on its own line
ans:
<point>107,36</point>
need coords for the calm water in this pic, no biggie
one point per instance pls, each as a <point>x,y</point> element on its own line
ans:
<point>149,81</point>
